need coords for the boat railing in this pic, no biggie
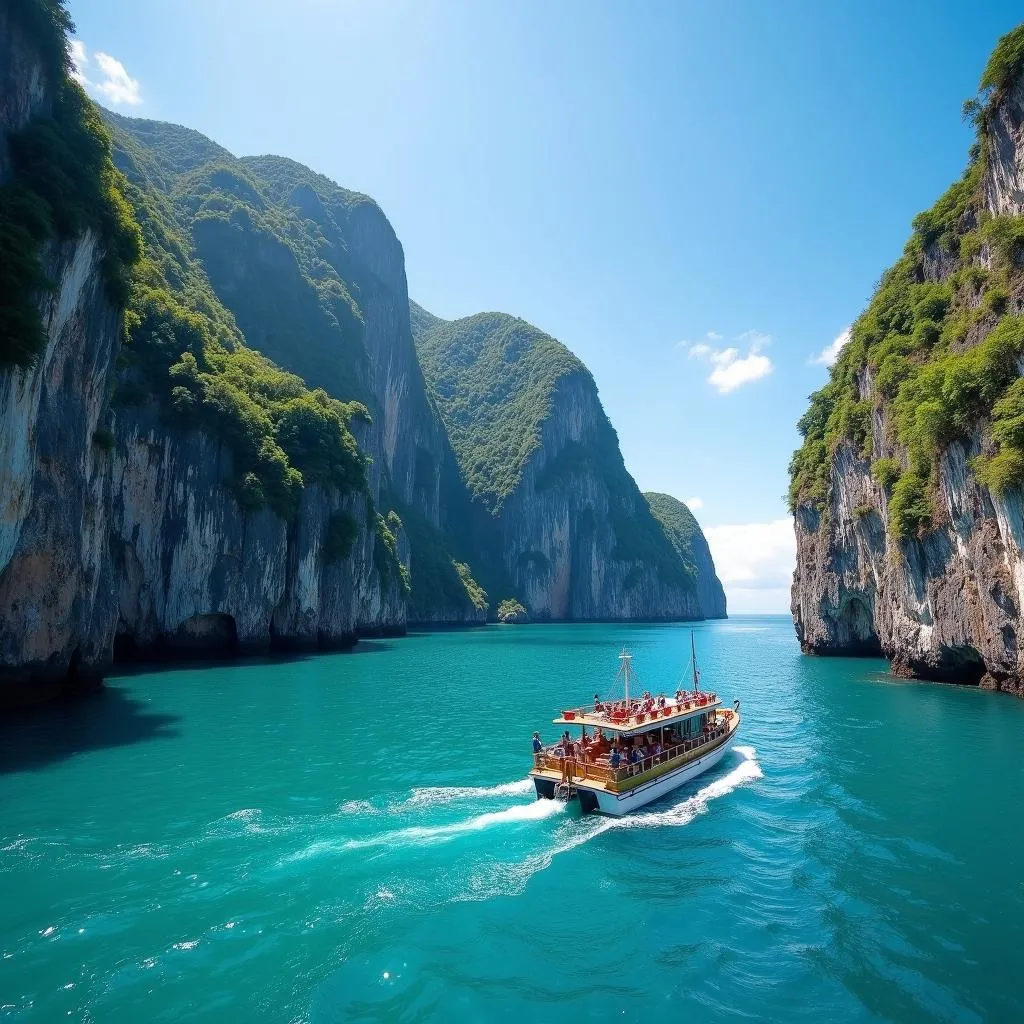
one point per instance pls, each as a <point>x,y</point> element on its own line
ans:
<point>552,758</point>
<point>636,712</point>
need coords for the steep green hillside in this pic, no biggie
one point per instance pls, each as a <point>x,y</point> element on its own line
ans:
<point>679,524</point>
<point>286,251</point>
<point>185,349</point>
<point>494,378</point>
<point>265,261</point>
<point>497,381</point>
<point>685,535</point>
<point>61,183</point>
<point>936,353</point>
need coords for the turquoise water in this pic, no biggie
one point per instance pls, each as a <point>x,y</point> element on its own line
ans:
<point>350,837</point>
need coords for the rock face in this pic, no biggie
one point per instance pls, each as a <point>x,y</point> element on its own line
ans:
<point>315,277</point>
<point>944,604</point>
<point>944,607</point>
<point>187,558</point>
<point>25,91</point>
<point>57,605</point>
<point>684,532</point>
<point>577,537</point>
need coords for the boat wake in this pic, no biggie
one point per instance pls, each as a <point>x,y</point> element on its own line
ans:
<point>570,833</point>
<point>511,879</point>
<point>425,834</point>
<point>432,796</point>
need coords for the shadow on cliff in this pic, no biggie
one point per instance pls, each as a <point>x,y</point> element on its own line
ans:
<point>105,718</point>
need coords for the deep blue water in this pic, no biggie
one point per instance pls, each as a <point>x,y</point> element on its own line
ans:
<point>351,837</point>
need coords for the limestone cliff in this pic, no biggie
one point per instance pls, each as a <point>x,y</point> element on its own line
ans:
<point>56,594</point>
<point>118,520</point>
<point>315,278</point>
<point>684,533</point>
<point>907,493</point>
<point>56,607</point>
<point>536,447</point>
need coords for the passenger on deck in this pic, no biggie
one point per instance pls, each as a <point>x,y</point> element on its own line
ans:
<point>598,706</point>
<point>537,745</point>
<point>568,767</point>
<point>615,758</point>
<point>632,758</point>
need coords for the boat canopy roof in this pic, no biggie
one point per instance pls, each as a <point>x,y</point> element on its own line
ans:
<point>616,717</point>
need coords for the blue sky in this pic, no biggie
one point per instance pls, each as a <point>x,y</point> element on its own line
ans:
<point>696,198</point>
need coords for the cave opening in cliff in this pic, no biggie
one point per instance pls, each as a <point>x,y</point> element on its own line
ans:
<point>212,633</point>
<point>126,650</point>
<point>961,664</point>
<point>859,629</point>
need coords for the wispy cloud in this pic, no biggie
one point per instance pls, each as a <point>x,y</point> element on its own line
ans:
<point>830,353</point>
<point>104,76</point>
<point>694,504</point>
<point>736,365</point>
<point>755,563</point>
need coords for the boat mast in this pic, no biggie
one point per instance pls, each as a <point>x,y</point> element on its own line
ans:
<point>625,658</point>
<point>693,661</point>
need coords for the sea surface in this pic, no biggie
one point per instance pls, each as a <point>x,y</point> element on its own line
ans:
<point>352,837</point>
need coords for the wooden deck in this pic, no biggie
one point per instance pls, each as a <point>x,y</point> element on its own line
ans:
<point>599,775</point>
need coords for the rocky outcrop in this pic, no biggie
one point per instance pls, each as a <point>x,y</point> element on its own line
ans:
<point>575,535</point>
<point>57,606</point>
<point>945,604</point>
<point>115,524</point>
<point>25,89</point>
<point>685,535</point>
<point>187,558</point>
<point>566,529</point>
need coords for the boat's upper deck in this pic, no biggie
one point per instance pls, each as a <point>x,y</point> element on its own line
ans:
<point>627,718</point>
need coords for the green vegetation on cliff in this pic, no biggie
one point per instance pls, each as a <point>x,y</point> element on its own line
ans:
<point>679,524</point>
<point>185,349</point>
<point>935,354</point>
<point>62,183</point>
<point>496,380</point>
<point>263,253</point>
<point>494,377</point>
<point>275,254</point>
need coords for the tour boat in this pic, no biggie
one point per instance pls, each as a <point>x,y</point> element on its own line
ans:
<point>680,737</point>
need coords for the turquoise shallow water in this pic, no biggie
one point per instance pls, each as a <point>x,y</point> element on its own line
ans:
<point>256,842</point>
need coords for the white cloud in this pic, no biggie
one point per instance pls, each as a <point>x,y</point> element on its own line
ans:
<point>113,83</point>
<point>694,504</point>
<point>830,353</point>
<point>755,563</point>
<point>79,60</point>
<point>731,367</point>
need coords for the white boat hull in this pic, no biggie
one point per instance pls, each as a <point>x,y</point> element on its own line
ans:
<point>618,804</point>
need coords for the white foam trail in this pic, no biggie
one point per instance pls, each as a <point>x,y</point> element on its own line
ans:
<point>682,813</point>
<point>575,833</point>
<point>433,795</point>
<point>357,807</point>
<point>425,835</point>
